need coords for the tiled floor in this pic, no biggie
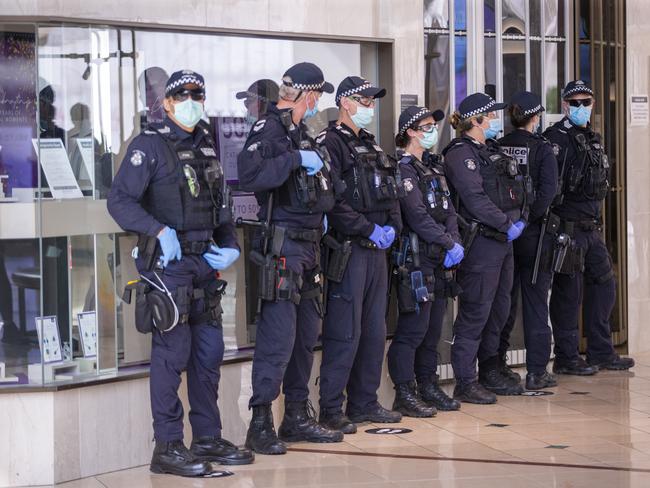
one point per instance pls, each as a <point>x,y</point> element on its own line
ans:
<point>593,432</point>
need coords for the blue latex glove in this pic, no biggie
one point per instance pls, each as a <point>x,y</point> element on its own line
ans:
<point>171,248</point>
<point>515,230</point>
<point>221,257</point>
<point>378,236</point>
<point>454,256</point>
<point>311,161</point>
<point>389,233</point>
<point>325,224</point>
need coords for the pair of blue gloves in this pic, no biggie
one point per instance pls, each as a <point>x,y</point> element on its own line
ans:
<point>383,237</point>
<point>311,161</point>
<point>454,256</point>
<point>515,230</point>
<point>218,258</point>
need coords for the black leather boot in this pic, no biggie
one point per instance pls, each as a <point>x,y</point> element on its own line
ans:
<point>496,383</point>
<point>261,436</point>
<point>614,363</point>
<point>409,404</point>
<point>507,371</point>
<point>576,367</point>
<point>337,420</point>
<point>174,458</point>
<point>539,381</point>
<point>299,424</point>
<point>432,394</point>
<point>217,450</point>
<point>375,413</point>
<point>474,393</point>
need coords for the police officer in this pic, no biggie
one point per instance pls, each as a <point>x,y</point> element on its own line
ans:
<point>292,184</point>
<point>430,245</point>
<point>366,220</point>
<point>587,269</point>
<point>537,162</point>
<point>169,190</point>
<point>258,98</point>
<point>491,199</point>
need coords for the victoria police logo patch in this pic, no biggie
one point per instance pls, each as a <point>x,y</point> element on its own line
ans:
<point>556,149</point>
<point>471,164</point>
<point>137,157</point>
<point>408,185</point>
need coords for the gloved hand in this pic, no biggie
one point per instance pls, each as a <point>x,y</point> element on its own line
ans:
<point>389,232</point>
<point>221,257</point>
<point>311,161</point>
<point>515,230</point>
<point>379,237</point>
<point>325,224</point>
<point>171,248</point>
<point>454,256</point>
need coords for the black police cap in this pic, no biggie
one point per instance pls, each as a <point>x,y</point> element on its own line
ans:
<point>478,103</point>
<point>575,87</point>
<point>265,89</point>
<point>355,85</point>
<point>413,114</point>
<point>528,102</point>
<point>179,79</point>
<point>306,77</point>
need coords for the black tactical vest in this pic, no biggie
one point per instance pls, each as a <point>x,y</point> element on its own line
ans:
<point>191,194</point>
<point>502,181</point>
<point>302,193</point>
<point>433,185</point>
<point>373,182</point>
<point>526,157</point>
<point>587,175</point>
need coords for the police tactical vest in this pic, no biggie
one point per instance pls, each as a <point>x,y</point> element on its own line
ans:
<point>191,194</point>
<point>433,185</point>
<point>502,180</point>
<point>372,183</point>
<point>526,157</point>
<point>587,176</point>
<point>302,193</point>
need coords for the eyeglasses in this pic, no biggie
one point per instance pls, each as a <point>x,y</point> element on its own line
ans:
<point>197,94</point>
<point>365,101</point>
<point>428,128</point>
<point>192,181</point>
<point>585,102</point>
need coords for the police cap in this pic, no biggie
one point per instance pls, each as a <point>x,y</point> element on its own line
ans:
<point>412,114</point>
<point>266,90</point>
<point>528,102</point>
<point>179,79</point>
<point>575,87</point>
<point>478,103</point>
<point>306,77</point>
<point>353,85</point>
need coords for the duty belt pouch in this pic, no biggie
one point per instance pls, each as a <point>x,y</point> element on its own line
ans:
<point>574,261</point>
<point>405,297</point>
<point>213,294</point>
<point>147,250</point>
<point>338,261</point>
<point>143,317</point>
<point>268,275</point>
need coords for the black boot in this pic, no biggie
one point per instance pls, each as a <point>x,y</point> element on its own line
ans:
<point>409,404</point>
<point>337,420</point>
<point>375,413</point>
<point>299,424</point>
<point>174,458</point>
<point>614,363</point>
<point>261,436</point>
<point>217,450</point>
<point>474,393</point>
<point>433,395</point>
<point>496,383</point>
<point>507,372</point>
<point>539,381</point>
<point>576,367</point>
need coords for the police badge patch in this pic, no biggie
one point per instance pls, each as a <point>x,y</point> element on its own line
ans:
<point>556,149</point>
<point>259,125</point>
<point>137,157</point>
<point>471,164</point>
<point>408,185</point>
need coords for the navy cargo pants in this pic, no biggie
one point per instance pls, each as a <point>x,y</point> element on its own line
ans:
<point>485,276</point>
<point>597,287</point>
<point>354,333</point>
<point>287,334</point>
<point>413,352</point>
<point>196,346</point>
<point>534,300</point>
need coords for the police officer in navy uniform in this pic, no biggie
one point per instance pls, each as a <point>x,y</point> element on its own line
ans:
<point>492,201</point>
<point>587,275</point>
<point>292,184</point>
<point>258,98</point>
<point>430,219</point>
<point>536,159</point>
<point>368,218</point>
<point>169,189</point>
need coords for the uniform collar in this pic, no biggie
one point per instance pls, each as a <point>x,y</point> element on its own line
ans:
<point>473,141</point>
<point>363,134</point>
<point>177,130</point>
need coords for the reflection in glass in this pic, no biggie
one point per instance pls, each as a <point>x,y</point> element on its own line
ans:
<point>460,15</point>
<point>535,18</point>
<point>553,18</point>
<point>536,81</point>
<point>513,16</point>
<point>460,78</point>
<point>554,75</point>
<point>490,46</point>
<point>436,14</point>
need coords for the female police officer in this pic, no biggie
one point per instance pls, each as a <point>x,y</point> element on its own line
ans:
<point>430,237</point>
<point>536,159</point>
<point>491,198</point>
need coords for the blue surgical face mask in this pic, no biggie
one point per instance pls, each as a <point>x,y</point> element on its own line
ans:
<point>363,117</point>
<point>250,119</point>
<point>494,129</point>
<point>188,112</point>
<point>429,139</point>
<point>580,115</point>
<point>310,112</point>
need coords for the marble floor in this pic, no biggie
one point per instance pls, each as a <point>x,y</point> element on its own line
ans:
<point>591,432</point>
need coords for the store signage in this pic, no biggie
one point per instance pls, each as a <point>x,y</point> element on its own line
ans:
<point>88,333</point>
<point>406,100</point>
<point>56,166</point>
<point>49,340</point>
<point>639,112</point>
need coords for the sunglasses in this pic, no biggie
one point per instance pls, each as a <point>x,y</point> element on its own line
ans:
<point>197,94</point>
<point>365,101</point>
<point>192,180</point>
<point>585,102</point>
<point>428,128</point>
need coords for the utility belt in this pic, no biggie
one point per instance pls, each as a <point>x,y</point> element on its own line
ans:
<point>487,231</point>
<point>338,254</point>
<point>149,250</point>
<point>566,257</point>
<point>158,307</point>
